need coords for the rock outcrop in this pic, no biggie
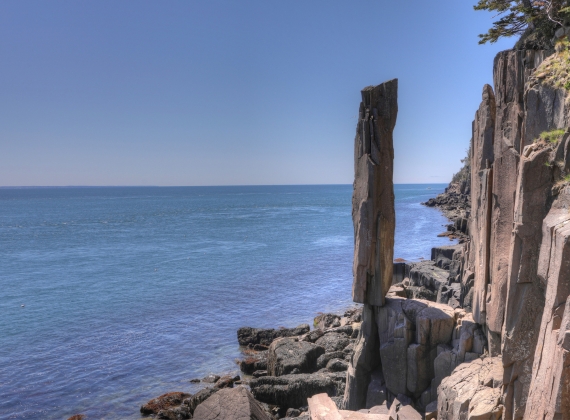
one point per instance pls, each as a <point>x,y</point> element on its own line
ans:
<point>473,391</point>
<point>265,336</point>
<point>517,256</point>
<point>231,404</point>
<point>373,212</point>
<point>480,331</point>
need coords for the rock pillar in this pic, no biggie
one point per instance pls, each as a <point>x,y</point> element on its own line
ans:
<point>481,198</point>
<point>373,212</point>
<point>374,221</point>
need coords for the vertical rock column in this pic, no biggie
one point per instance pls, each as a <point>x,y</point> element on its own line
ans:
<point>481,198</point>
<point>549,396</point>
<point>508,75</point>
<point>373,212</point>
<point>374,221</point>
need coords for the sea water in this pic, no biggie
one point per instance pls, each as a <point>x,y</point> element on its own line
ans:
<point>113,296</point>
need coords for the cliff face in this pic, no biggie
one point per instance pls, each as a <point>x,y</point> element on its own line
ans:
<point>511,315</point>
<point>512,193</point>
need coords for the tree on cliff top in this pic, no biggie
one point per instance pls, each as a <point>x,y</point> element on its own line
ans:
<point>537,17</point>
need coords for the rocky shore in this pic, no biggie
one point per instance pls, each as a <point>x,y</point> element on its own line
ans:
<point>482,330</point>
<point>455,204</point>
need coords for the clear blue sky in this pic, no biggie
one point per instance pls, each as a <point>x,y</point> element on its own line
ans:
<point>231,92</point>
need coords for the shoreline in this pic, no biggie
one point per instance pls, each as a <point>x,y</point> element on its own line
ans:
<point>253,362</point>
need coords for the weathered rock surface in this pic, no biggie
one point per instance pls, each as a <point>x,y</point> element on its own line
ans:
<point>322,407</point>
<point>373,212</point>
<point>264,336</point>
<point>253,363</point>
<point>364,360</point>
<point>549,394</point>
<point>426,280</point>
<point>231,404</point>
<point>481,194</point>
<point>525,291</point>
<point>472,391</point>
<point>325,321</point>
<point>163,402</point>
<point>288,355</point>
<point>333,342</point>
<point>292,391</point>
<point>409,333</point>
<point>198,398</point>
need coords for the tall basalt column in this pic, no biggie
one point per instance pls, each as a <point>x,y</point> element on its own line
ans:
<point>373,212</point>
<point>481,197</point>
<point>525,294</point>
<point>374,221</point>
<point>549,396</point>
<point>508,75</point>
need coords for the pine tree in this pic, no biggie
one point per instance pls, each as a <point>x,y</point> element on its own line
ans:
<point>520,16</point>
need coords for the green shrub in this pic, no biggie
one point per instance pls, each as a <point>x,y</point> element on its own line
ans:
<point>552,136</point>
<point>464,173</point>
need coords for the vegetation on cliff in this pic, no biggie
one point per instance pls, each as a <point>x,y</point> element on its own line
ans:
<point>536,19</point>
<point>464,174</point>
<point>554,71</point>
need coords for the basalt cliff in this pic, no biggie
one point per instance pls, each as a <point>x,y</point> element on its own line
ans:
<point>482,331</point>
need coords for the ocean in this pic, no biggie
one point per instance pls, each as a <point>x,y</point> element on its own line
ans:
<point>130,292</point>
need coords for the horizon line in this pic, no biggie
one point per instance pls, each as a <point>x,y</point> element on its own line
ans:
<point>197,186</point>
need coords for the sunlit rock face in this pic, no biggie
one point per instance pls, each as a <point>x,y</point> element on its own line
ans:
<point>373,212</point>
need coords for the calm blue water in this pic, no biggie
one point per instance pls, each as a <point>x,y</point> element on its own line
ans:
<point>132,292</point>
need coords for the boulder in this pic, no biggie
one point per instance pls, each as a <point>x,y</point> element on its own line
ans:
<point>373,212</point>
<point>259,373</point>
<point>313,336</point>
<point>443,255</point>
<point>353,315</point>
<point>322,407</point>
<point>252,363</point>
<point>231,404</point>
<point>465,392</point>
<point>164,402</point>
<point>248,335</point>
<point>287,355</point>
<point>333,342</point>
<point>292,391</point>
<point>199,397</point>
<point>226,381</point>
<point>426,280</point>
<point>211,379</point>
<point>324,321</point>
<point>337,365</point>
<point>324,358</point>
